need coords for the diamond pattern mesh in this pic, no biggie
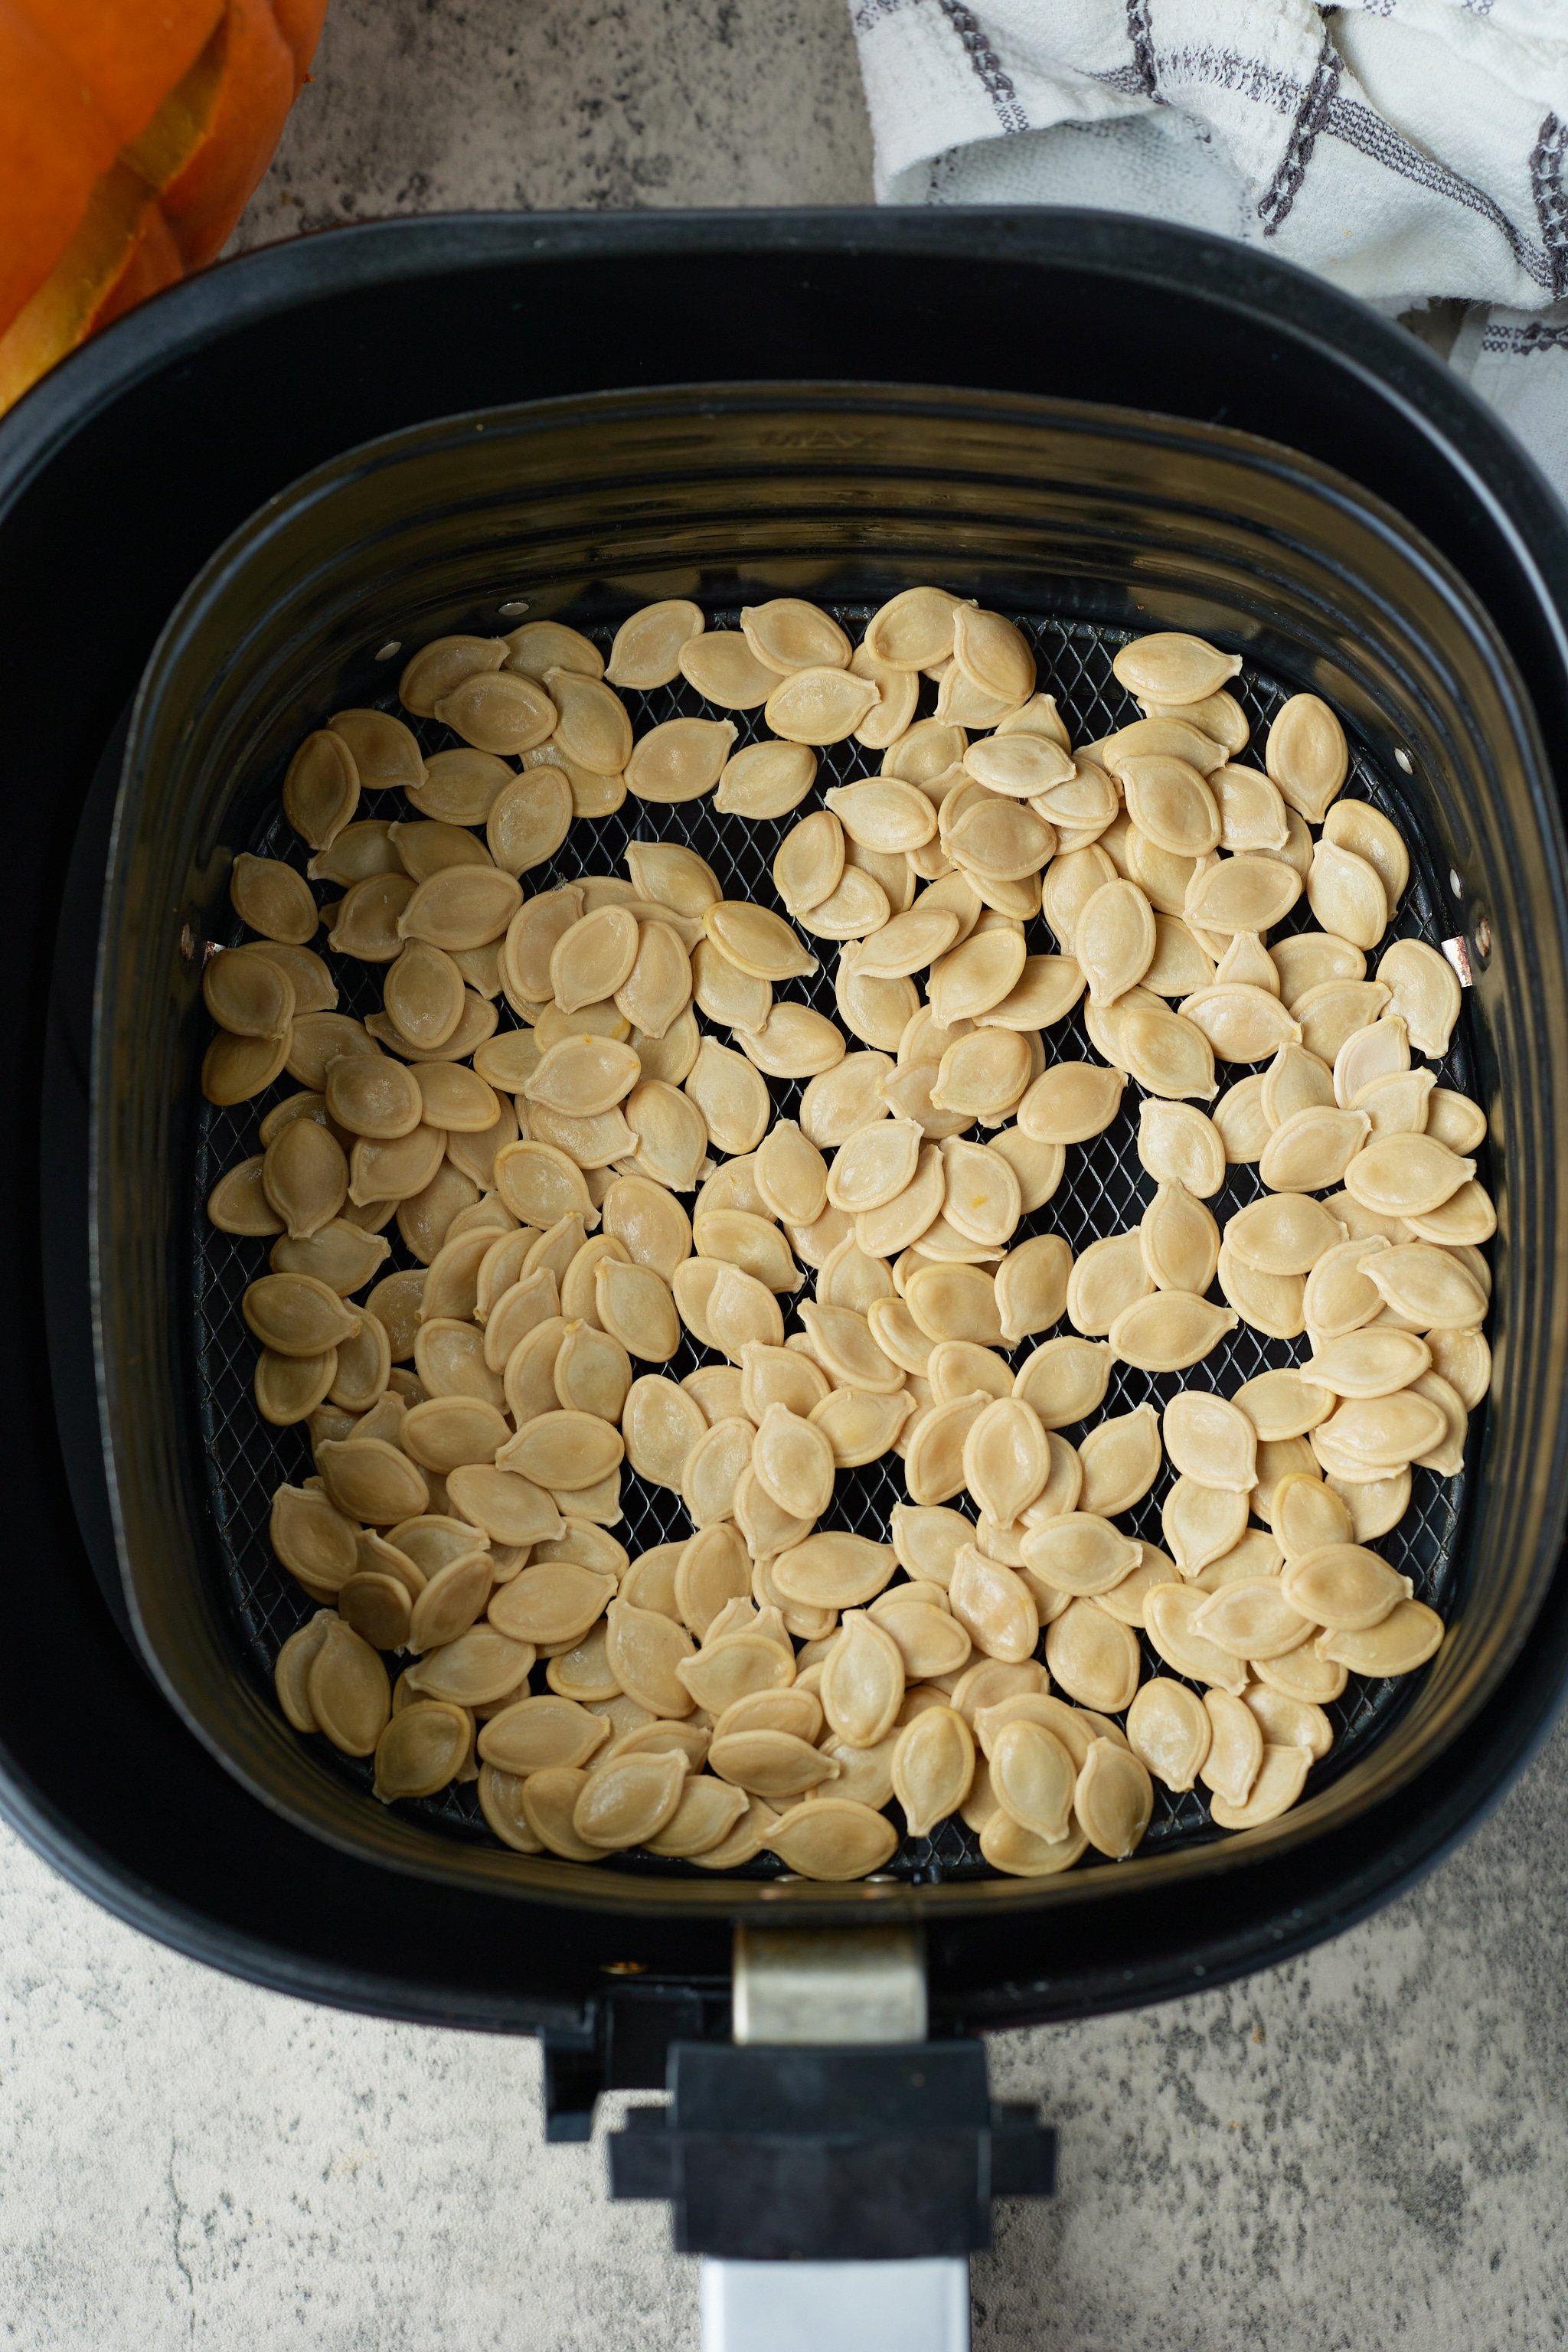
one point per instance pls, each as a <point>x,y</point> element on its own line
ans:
<point>1104,1191</point>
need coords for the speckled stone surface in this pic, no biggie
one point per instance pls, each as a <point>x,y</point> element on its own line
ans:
<point>418,106</point>
<point>1362,2150</point>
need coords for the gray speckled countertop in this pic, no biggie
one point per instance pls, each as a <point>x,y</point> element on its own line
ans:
<point>1362,2150</point>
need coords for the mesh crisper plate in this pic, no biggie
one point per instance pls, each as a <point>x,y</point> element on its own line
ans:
<point>1104,1190</point>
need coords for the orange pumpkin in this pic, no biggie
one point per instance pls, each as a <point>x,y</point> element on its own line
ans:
<point>131,134</point>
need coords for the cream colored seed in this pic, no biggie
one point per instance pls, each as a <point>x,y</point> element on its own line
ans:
<point>1201,1523</point>
<point>1174,668</point>
<point>1114,940</point>
<point>1110,1276</point>
<point>1005,1458</point>
<point>1065,1380</point>
<point>1210,1440</point>
<point>1092,1657</point>
<point>1079,1553</point>
<point>1169,1332</point>
<point>1120,1460</point>
<point>680,760</point>
<point>933,1768</point>
<point>1407,1175</point>
<point>1425,991</point>
<point>1168,1731</point>
<point>1272,1302</point>
<point>994,1606</point>
<point>1307,755</point>
<point>1114,1799</point>
<point>1179,1241</point>
<point>1397,1644</point>
<point>1169,1614</point>
<point>1247,893</point>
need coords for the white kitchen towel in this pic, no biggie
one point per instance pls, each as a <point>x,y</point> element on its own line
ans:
<point>1411,150</point>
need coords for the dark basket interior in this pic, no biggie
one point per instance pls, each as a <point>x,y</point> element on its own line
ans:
<point>1103,1190</point>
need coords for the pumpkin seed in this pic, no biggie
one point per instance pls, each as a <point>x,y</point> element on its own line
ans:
<point>1425,992</point>
<point>1343,1586</point>
<point>1369,1362</point>
<point>1295,1081</point>
<point>1168,1731</point>
<point>273,899</point>
<point>1465,1360</point>
<point>1170,803</point>
<point>1169,1332</point>
<point>1235,1747</point>
<point>680,760</point>
<point>1005,1458</point>
<point>993,654</point>
<point>820,706</point>
<point>247,994</point>
<point>507,1508</point>
<point>1250,892</point>
<point>347,1691</point>
<point>1242,1023</point>
<point>1407,1175</point>
<point>1031,1288</point>
<point>1032,1777</point>
<point>1307,755</point>
<point>1312,1149</point>
<point>1283,1404</point>
<point>1065,1380</point>
<point>1071,1102</point>
<point>1272,1302</point>
<point>1202,1523</point>
<point>1174,668</point>
<point>1211,1441</point>
<point>1178,1242</point>
<point>1283,1234</point>
<point>1241,1121</point>
<point>1347,895</point>
<point>629,1800</point>
<point>1167,1053</point>
<point>1246,964</point>
<point>1252,812</point>
<point>933,1768</point>
<point>832,1838</point>
<point>976,977</point>
<point>1466,1219</point>
<point>1280,1781</point>
<point>1170,1614</point>
<point>1079,1552</point>
<point>1114,1799</point>
<point>1114,941</point>
<point>993,1605</point>
<point>646,1651</point>
<point>1396,1645</point>
<point>1021,1854</point>
<point>1181,962</point>
<point>1091,1657</point>
<point>1454,1120</point>
<point>1108,1276</point>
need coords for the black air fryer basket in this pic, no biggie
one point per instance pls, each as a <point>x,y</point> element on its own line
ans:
<point>425,422</point>
<point>1086,523</point>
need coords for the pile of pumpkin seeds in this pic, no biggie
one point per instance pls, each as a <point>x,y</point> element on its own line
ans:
<point>601,1175</point>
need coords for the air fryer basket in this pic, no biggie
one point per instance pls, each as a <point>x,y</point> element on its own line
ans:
<point>1087,524</point>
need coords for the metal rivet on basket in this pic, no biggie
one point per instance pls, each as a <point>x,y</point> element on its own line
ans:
<point>514,607</point>
<point>385,652</point>
<point>1404,760</point>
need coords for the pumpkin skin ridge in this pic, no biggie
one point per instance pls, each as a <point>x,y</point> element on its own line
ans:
<point>159,180</point>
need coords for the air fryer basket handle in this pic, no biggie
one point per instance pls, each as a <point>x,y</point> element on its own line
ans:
<point>834,2167</point>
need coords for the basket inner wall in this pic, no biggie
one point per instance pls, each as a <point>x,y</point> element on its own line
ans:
<point>1087,538</point>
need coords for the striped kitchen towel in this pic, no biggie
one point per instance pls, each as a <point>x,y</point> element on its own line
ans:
<point>1412,150</point>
